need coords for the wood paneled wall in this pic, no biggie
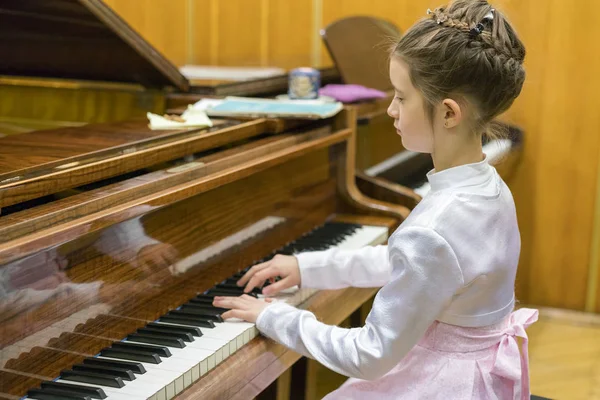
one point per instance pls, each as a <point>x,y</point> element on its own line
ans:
<point>556,186</point>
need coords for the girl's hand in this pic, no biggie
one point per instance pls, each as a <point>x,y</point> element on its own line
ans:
<point>244,307</point>
<point>284,266</point>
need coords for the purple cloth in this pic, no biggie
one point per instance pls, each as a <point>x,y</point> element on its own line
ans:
<point>350,93</point>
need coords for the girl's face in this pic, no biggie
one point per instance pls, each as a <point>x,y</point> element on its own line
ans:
<point>408,111</point>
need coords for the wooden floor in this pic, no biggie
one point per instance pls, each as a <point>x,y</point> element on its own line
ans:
<point>564,353</point>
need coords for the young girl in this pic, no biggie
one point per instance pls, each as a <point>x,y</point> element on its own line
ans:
<point>442,326</point>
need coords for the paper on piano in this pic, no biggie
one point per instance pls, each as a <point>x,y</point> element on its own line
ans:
<point>256,108</point>
<point>205,104</point>
<point>191,118</point>
<point>229,73</point>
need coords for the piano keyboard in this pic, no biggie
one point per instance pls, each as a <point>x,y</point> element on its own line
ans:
<point>166,356</point>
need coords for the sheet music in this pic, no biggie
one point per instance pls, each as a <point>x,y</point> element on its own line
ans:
<point>229,73</point>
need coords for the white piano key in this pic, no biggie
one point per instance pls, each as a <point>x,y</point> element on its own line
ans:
<point>222,339</point>
<point>123,393</point>
<point>366,235</point>
<point>189,352</point>
<point>186,362</point>
<point>158,376</point>
<point>164,373</point>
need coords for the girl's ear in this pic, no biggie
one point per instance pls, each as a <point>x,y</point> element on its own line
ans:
<point>452,113</point>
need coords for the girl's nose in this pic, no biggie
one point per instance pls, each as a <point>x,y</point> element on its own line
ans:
<point>392,111</point>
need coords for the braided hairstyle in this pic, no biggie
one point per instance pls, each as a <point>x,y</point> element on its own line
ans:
<point>458,51</point>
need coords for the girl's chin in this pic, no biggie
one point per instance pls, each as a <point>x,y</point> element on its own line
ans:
<point>411,147</point>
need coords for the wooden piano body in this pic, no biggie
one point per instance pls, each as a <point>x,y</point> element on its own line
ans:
<point>107,227</point>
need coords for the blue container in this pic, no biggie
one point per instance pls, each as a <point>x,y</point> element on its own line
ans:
<point>304,83</point>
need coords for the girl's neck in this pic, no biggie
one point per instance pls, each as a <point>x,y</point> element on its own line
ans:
<point>455,153</point>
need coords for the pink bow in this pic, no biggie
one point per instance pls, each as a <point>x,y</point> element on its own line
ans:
<point>510,363</point>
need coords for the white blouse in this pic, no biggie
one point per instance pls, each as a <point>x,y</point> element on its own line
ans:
<point>454,259</point>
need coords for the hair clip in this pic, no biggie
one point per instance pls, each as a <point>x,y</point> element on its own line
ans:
<point>476,30</point>
<point>429,11</point>
<point>489,16</point>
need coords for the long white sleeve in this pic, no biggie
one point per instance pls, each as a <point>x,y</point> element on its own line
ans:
<point>425,275</point>
<point>336,269</point>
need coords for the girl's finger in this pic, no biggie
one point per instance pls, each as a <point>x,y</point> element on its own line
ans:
<point>227,302</point>
<point>277,287</point>
<point>244,279</point>
<point>232,314</point>
<point>260,277</point>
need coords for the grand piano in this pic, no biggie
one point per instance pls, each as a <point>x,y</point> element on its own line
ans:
<point>115,238</point>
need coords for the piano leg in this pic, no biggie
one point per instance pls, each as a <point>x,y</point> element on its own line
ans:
<point>278,390</point>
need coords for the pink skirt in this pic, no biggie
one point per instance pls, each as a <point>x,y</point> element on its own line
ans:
<point>452,362</point>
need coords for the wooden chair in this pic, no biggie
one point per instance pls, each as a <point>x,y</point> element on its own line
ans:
<point>365,62</point>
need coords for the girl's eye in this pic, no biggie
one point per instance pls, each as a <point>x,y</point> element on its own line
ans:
<point>398,98</point>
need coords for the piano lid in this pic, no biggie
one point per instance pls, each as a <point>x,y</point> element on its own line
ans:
<point>79,39</point>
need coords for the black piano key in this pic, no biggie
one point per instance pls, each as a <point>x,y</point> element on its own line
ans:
<point>229,286</point>
<point>157,338</point>
<point>56,394</point>
<point>95,378</point>
<point>187,329</point>
<point>92,392</point>
<point>131,355</point>
<point>203,312</point>
<point>160,350</point>
<point>232,281</point>
<point>207,311</point>
<point>227,292</point>
<point>123,373</point>
<point>195,314</point>
<point>233,284</point>
<point>185,336</point>
<point>204,307</point>
<point>200,315</point>
<point>137,368</point>
<point>202,300</point>
<point>239,289</point>
<point>202,323</point>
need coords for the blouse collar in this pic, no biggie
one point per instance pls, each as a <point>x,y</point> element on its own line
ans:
<point>461,176</point>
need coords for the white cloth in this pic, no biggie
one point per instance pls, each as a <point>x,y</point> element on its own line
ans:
<point>453,260</point>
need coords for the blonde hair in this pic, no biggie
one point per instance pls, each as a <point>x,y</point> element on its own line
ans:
<point>459,51</point>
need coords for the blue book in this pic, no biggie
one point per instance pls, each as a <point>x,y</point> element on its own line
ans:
<point>257,108</point>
